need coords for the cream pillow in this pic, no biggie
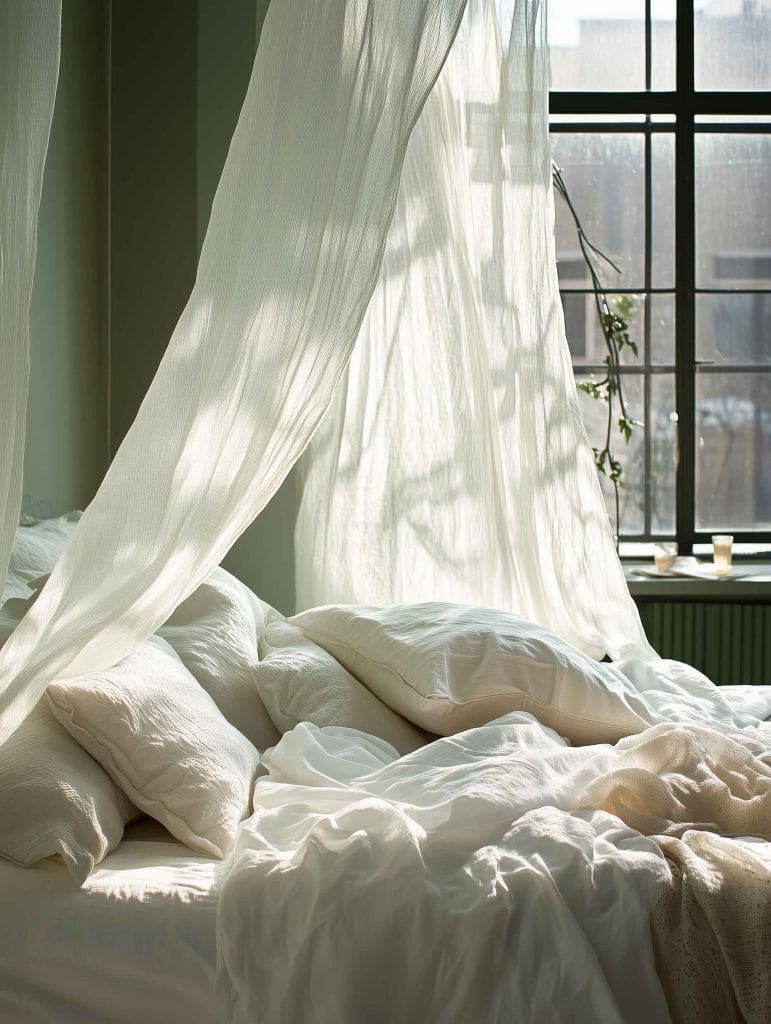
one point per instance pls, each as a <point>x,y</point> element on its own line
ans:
<point>451,667</point>
<point>54,798</point>
<point>37,546</point>
<point>214,632</point>
<point>300,682</point>
<point>160,736</point>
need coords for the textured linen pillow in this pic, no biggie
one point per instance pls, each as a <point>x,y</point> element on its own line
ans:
<point>38,544</point>
<point>301,682</point>
<point>36,549</point>
<point>215,632</point>
<point>451,667</point>
<point>162,739</point>
<point>54,797</point>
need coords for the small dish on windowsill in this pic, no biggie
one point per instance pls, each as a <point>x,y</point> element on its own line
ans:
<point>687,568</point>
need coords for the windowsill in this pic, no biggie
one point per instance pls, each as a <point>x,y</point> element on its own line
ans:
<point>755,586</point>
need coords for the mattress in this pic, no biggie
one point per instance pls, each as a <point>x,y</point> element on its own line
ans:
<point>136,943</point>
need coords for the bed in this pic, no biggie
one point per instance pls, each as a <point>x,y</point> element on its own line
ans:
<point>136,943</point>
<point>497,872</point>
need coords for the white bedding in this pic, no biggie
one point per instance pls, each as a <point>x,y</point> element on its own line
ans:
<point>135,945</point>
<point>493,876</point>
<point>753,701</point>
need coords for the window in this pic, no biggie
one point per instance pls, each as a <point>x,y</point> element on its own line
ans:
<point>661,124</point>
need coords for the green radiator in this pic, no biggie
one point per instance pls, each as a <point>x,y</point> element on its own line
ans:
<point>730,643</point>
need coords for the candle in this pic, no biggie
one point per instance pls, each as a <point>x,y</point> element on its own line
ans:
<point>665,555</point>
<point>721,553</point>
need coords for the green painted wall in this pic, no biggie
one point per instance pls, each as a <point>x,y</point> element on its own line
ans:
<point>153,234</point>
<point>66,451</point>
<point>228,31</point>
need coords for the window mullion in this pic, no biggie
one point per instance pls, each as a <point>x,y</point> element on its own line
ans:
<point>685,334</point>
<point>647,404</point>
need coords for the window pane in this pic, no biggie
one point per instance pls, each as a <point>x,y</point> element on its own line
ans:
<point>734,119</point>
<point>733,328</point>
<point>732,41</point>
<point>733,451</point>
<point>605,177</point>
<point>632,456</point>
<point>663,44</point>
<point>662,430</point>
<point>597,44</point>
<point>598,119</point>
<point>733,214</point>
<point>662,330</point>
<point>663,211</point>
<point>574,306</point>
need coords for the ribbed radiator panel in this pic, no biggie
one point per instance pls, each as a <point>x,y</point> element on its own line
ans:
<point>730,643</point>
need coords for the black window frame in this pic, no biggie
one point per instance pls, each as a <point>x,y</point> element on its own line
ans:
<point>685,104</point>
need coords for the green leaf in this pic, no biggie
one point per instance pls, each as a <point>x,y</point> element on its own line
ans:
<point>625,426</point>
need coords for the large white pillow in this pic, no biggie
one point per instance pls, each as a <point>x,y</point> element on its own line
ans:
<point>36,549</point>
<point>451,667</point>
<point>162,739</point>
<point>38,544</point>
<point>215,632</point>
<point>301,682</point>
<point>54,797</point>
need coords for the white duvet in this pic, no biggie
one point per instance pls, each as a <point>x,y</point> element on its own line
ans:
<point>496,875</point>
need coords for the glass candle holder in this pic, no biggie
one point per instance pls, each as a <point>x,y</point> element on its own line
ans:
<point>665,555</point>
<point>721,553</point>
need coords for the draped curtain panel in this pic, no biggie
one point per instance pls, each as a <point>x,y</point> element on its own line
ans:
<point>29,69</point>
<point>289,262</point>
<point>453,464</point>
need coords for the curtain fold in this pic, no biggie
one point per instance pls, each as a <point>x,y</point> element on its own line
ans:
<point>289,261</point>
<point>453,464</point>
<point>29,70</point>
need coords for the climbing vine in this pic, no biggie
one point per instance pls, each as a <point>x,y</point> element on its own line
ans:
<point>615,317</point>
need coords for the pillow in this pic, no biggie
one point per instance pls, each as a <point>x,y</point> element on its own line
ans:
<point>451,667</point>
<point>38,544</point>
<point>214,632</point>
<point>54,798</point>
<point>300,682</point>
<point>161,738</point>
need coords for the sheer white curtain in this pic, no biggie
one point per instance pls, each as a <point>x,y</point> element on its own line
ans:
<point>453,464</point>
<point>289,262</point>
<point>29,69</point>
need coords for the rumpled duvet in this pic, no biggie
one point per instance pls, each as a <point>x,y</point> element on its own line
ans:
<point>495,875</point>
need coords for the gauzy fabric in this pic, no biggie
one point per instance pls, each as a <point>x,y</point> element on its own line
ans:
<point>29,69</point>
<point>453,465</point>
<point>289,262</point>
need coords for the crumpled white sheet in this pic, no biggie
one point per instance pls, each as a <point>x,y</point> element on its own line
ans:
<point>477,879</point>
<point>676,692</point>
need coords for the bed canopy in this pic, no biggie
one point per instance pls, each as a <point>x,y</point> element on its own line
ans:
<point>453,464</point>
